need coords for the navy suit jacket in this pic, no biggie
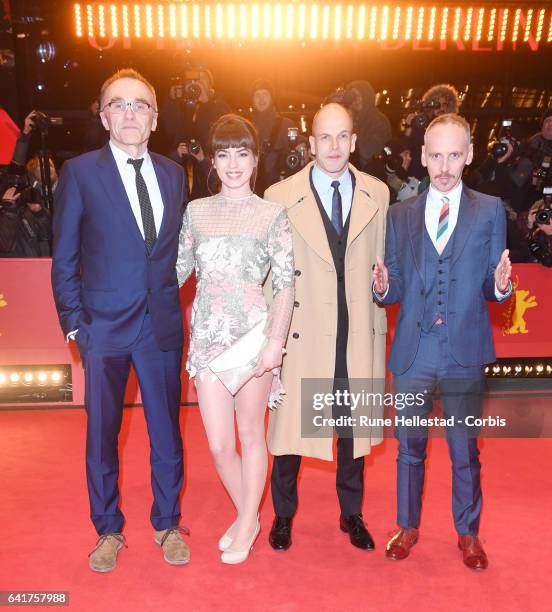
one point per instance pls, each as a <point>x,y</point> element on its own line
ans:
<point>103,278</point>
<point>478,241</point>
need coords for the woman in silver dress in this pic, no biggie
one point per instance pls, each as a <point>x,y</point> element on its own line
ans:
<point>231,240</point>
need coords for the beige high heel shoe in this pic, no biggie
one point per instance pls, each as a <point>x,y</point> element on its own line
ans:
<point>233,557</point>
<point>226,540</point>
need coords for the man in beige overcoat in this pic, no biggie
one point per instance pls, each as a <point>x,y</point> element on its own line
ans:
<point>337,334</point>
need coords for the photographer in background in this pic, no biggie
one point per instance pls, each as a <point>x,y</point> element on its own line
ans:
<point>506,171</point>
<point>437,100</point>
<point>533,240</point>
<point>542,141</point>
<point>273,130</point>
<point>95,136</point>
<point>371,126</point>
<point>188,113</point>
<point>25,225</point>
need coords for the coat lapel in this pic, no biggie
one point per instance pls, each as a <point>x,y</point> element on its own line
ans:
<point>466,219</point>
<point>113,185</point>
<point>416,227</point>
<point>363,209</point>
<point>305,217</point>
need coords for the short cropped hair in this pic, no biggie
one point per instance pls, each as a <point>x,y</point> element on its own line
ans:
<point>451,118</point>
<point>127,73</point>
<point>447,92</point>
<point>233,131</point>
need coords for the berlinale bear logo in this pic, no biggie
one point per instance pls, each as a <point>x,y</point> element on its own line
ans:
<point>514,315</point>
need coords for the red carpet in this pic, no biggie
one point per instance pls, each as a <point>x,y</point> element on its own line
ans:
<point>46,533</point>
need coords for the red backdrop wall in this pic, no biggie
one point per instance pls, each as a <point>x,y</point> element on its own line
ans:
<point>30,332</point>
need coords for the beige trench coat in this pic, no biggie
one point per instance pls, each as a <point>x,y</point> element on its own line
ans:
<point>312,336</point>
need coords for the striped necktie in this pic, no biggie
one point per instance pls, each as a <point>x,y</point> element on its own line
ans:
<point>442,229</point>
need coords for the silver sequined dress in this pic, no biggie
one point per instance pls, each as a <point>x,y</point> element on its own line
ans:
<point>231,244</point>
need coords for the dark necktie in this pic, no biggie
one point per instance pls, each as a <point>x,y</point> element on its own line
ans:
<point>150,233</point>
<point>337,209</point>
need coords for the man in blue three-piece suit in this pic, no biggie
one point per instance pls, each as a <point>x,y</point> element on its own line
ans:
<point>444,257</point>
<point>118,213</point>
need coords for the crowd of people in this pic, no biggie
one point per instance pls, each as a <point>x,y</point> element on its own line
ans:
<point>516,170</point>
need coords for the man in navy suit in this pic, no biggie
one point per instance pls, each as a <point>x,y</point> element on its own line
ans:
<point>118,213</point>
<point>444,257</point>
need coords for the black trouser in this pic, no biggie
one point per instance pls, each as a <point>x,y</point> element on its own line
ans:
<point>349,475</point>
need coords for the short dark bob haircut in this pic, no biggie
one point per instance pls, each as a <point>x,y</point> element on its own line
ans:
<point>233,131</point>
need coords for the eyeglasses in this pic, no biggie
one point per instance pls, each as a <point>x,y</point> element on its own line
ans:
<point>138,106</point>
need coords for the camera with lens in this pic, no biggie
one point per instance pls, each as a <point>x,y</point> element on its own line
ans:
<point>542,174</point>
<point>187,90</point>
<point>544,215</point>
<point>393,162</point>
<point>194,146</point>
<point>294,156</point>
<point>425,112</point>
<point>499,147</point>
<point>25,186</point>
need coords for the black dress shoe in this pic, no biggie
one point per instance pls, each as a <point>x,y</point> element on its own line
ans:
<point>358,534</point>
<point>280,534</point>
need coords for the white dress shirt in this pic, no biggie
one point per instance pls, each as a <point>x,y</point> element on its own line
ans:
<point>128,176</point>
<point>323,185</point>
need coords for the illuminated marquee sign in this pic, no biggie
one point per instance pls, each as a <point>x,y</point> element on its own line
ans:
<point>390,26</point>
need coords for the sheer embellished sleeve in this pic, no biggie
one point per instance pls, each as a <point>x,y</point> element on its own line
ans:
<point>280,251</point>
<point>185,262</point>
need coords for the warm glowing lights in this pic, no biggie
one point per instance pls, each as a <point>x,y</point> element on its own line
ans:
<point>231,21</point>
<point>137,21</point>
<point>160,21</point>
<point>396,23</point>
<point>492,23</point>
<point>78,20</point>
<point>408,30</point>
<point>468,24</point>
<point>302,21</point>
<point>325,21</point>
<point>456,28</point>
<point>314,21</point>
<point>373,22</point>
<point>90,20</point>
<point>517,18</point>
<point>361,31</point>
<point>149,21</point>
<point>505,15</point>
<point>14,377</point>
<point>255,20</point>
<point>444,24</point>
<point>384,22</point>
<point>538,35</point>
<point>288,20</point>
<point>278,22</point>
<point>114,21</point>
<point>420,28</point>
<point>349,22</point>
<point>431,32</point>
<point>337,23</point>
<point>528,21</point>
<point>480,17</point>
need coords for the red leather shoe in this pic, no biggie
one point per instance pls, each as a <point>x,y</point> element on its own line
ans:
<point>473,554</point>
<point>398,547</point>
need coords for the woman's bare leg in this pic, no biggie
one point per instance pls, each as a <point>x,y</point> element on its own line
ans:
<point>251,403</point>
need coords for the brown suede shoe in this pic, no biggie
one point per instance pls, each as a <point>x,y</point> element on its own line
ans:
<point>104,557</point>
<point>473,554</point>
<point>175,550</point>
<point>398,547</point>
